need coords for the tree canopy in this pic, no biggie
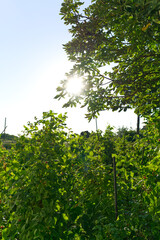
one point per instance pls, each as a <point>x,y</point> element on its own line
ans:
<point>125,33</point>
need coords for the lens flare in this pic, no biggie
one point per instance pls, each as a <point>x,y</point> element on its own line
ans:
<point>74,86</point>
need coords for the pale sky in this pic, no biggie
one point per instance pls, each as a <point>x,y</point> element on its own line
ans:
<point>32,63</point>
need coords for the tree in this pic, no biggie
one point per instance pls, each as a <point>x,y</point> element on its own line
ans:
<point>126,33</point>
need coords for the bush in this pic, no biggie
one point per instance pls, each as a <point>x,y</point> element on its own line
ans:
<point>59,185</point>
<point>53,184</point>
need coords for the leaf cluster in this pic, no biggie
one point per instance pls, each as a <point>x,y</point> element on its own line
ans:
<point>126,33</point>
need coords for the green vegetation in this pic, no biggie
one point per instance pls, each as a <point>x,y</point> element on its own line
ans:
<point>59,185</point>
<point>8,140</point>
<point>126,33</point>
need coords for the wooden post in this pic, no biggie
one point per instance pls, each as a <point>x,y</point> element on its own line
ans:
<point>138,123</point>
<point>115,188</point>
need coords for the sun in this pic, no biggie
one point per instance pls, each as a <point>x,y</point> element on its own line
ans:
<point>74,86</point>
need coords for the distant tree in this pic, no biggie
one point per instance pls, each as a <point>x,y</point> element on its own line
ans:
<point>8,137</point>
<point>128,134</point>
<point>85,134</point>
<point>126,33</point>
<point>8,140</point>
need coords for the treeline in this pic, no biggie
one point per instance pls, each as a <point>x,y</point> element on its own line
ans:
<point>6,136</point>
<point>8,140</point>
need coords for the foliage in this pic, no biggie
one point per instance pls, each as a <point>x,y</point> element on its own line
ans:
<point>129,135</point>
<point>3,165</point>
<point>126,33</point>
<point>53,184</point>
<point>59,185</point>
<point>8,137</point>
<point>137,181</point>
<point>8,140</point>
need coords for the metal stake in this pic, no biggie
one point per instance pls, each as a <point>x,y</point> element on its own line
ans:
<point>115,188</point>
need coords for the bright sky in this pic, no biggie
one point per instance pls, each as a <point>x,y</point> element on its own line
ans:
<point>32,63</point>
